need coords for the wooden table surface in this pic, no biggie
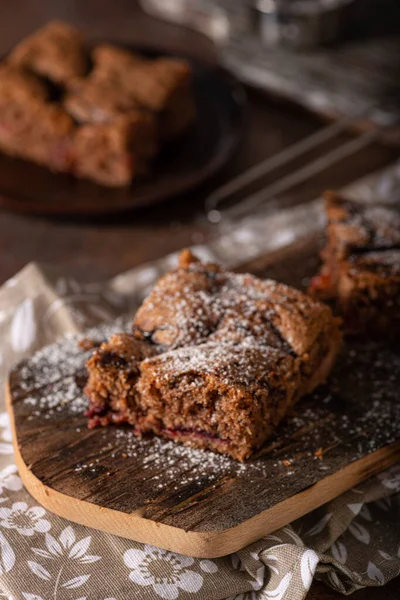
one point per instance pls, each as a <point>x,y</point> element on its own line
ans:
<point>97,250</point>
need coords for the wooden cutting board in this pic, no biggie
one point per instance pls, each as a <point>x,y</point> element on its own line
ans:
<point>194,502</point>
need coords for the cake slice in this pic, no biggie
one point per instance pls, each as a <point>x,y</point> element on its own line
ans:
<point>101,121</point>
<point>215,360</point>
<point>32,128</point>
<point>104,101</point>
<point>162,86</point>
<point>222,397</point>
<point>113,154</point>
<point>17,83</point>
<point>36,129</point>
<point>202,302</point>
<point>54,51</point>
<point>361,265</point>
<point>113,374</point>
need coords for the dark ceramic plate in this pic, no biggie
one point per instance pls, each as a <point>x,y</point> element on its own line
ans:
<point>181,166</point>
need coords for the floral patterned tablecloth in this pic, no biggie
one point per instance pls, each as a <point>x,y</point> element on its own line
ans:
<point>352,542</point>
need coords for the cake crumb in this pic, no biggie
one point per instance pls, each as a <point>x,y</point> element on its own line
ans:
<point>87,344</point>
<point>319,454</point>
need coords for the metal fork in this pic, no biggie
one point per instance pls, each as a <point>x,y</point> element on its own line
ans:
<point>215,202</point>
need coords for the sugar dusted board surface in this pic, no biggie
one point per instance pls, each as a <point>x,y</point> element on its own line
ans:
<point>192,501</point>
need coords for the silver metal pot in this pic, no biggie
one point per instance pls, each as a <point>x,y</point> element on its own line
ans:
<point>297,23</point>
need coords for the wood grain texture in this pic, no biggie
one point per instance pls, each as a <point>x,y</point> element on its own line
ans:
<point>200,503</point>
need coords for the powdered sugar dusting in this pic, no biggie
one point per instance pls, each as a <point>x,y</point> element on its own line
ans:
<point>201,303</point>
<point>63,358</point>
<point>378,225</point>
<point>244,364</point>
<point>358,413</point>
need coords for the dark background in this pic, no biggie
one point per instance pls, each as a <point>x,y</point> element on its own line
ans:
<point>97,250</point>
